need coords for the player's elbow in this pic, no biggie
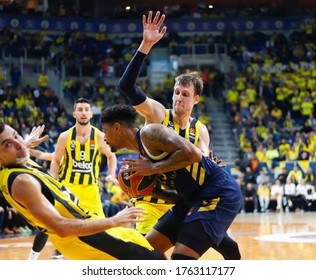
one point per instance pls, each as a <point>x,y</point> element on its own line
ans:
<point>196,157</point>
<point>193,154</point>
<point>62,229</point>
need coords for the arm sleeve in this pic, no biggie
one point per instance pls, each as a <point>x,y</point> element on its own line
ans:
<point>127,83</point>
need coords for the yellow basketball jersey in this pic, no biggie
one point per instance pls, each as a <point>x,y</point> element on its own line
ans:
<point>191,132</point>
<point>81,163</point>
<point>111,244</point>
<point>62,199</point>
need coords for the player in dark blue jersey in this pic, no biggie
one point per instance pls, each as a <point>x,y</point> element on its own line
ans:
<point>210,196</point>
<point>187,91</point>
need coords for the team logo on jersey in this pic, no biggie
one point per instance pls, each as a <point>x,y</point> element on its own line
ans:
<point>72,145</point>
<point>92,144</point>
<point>192,133</point>
<point>81,165</point>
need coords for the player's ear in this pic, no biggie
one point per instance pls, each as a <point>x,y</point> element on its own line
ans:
<point>117,126</point>
<point>196,99</point>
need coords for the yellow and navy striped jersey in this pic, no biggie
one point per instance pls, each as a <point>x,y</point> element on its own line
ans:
<point>191,132</point>
<point>81,163</point>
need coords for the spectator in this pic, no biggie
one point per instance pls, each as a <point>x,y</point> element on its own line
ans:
<point>273,154</point>
<point>276,194</point>
<point>292,154</point>
<point>289,194</point>
<point>310,177</point>
<point>261,178</point>
<point>249,176</point>
<point>284,148</point>
<point>296,173</point>
<point>53,133</point>
<point>249,198</point>
<point>62,121</point>
<point>264,197</point>
<point>43,81</point>
<point>301,195</point>
<point>282,176</point>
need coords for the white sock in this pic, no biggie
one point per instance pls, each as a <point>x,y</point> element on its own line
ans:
<point>33,255</point>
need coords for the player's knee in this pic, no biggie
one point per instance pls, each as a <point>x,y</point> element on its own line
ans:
<point>233,253</point>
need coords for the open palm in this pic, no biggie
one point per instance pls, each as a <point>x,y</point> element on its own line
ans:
<point>152,31</point>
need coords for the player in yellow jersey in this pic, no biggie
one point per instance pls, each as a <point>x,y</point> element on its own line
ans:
<point>51,208</point>
<point>186,94</point>
<point>76,163</point>
<point>77,158</point>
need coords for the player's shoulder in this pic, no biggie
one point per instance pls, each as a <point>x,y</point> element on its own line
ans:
<point>63,136</point>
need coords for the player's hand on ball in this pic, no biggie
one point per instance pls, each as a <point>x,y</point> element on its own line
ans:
<point>138,166</point>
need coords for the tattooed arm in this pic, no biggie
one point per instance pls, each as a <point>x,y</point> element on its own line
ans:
<point>177,152</point>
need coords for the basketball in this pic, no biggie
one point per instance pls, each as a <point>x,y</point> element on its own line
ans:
<point>137,186</point>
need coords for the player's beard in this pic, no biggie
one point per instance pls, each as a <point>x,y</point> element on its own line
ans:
<point>84,123</point>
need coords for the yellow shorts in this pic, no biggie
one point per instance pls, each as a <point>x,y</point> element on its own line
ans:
<point>89,197</point>
<point>113,244</point>
<point>153,211</point>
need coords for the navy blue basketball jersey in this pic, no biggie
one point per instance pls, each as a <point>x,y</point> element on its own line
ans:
<point>201,179</point>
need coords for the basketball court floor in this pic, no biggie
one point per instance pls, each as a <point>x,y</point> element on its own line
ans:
<point>261,236</point>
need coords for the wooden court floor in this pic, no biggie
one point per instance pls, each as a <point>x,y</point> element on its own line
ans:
<point>266,236</point>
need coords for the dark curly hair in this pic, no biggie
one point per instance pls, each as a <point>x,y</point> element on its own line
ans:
<point>119,113</point>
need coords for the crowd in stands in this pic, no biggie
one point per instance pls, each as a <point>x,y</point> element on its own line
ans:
<point>291,191</point>
<point>270,100</point>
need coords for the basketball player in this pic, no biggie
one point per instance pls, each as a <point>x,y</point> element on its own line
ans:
<point>51,208</point>
<point>186,93</point>
<point>76,163</point>
<point>211,197</point>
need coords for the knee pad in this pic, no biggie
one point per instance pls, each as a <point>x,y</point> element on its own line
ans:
<point>233,253</point>
<point>228,248</point>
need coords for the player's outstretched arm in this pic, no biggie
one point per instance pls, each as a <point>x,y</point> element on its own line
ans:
<point>26,190</point>
<point>150,109</point>
<point>152,31</point>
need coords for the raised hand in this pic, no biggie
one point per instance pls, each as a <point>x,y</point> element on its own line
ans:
<point>34,139</point>
<point>152,31</point>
